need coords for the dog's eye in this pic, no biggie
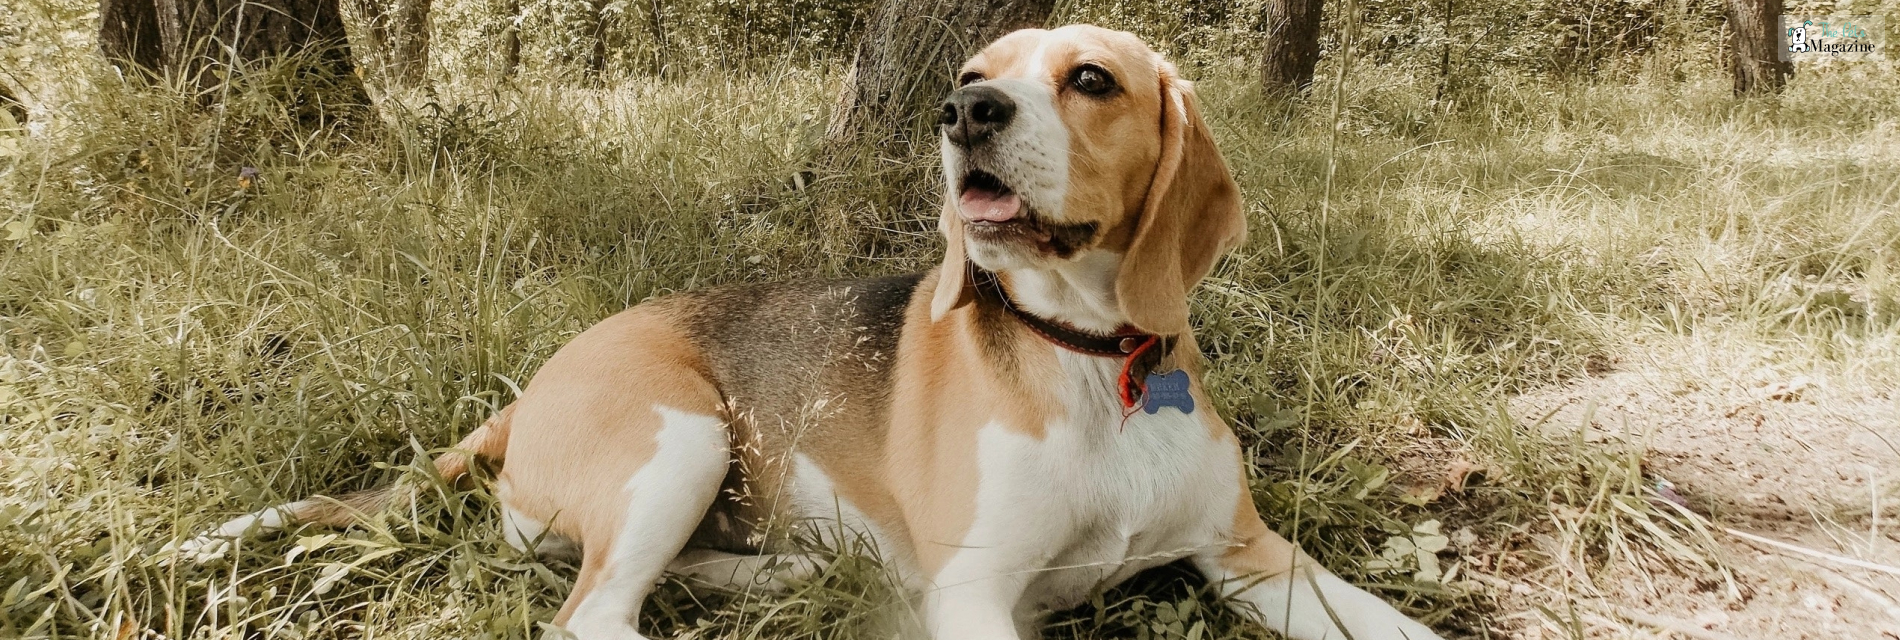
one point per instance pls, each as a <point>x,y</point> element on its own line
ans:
<point>1093,80</point>
<point>969,77</point>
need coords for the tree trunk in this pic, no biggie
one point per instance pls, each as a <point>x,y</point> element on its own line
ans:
<point>904,65</point>
<point>128,35</point>
<point>511,39</point>
<point>1444,58</point>
<point>596,67</point>
<point>1292,46</point>
<point>656,22</point>
<point>410,56</point>
<point>1753,27</point>
<point>395,38</point>
<point>194,36</point>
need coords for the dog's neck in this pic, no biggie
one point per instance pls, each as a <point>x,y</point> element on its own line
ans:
<point>1079,292</point>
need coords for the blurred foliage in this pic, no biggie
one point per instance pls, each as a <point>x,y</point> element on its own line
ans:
<point>1459,46</point>
<point>1458,39</point>
<point>645,36</point>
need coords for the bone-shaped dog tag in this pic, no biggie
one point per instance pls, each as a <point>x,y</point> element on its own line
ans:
<point>1167,390</point>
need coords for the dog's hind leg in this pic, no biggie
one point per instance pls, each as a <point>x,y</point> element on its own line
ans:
<point>621,444</point>
<point>660,505</point>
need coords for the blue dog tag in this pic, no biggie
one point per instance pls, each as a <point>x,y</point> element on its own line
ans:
<point>1167,390</point>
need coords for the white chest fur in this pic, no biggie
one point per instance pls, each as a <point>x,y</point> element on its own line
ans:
<point>1095,499</point>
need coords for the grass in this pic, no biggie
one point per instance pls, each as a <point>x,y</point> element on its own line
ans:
<point>178,344</point>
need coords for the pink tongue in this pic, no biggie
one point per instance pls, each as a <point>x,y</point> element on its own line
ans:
<point>983,205</point>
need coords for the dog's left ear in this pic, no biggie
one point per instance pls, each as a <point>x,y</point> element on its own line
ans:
<point>1191,217</point>
<point>952,278</point>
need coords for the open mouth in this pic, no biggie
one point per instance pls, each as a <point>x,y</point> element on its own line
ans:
<point>983,198</point>
<point>996,214</point>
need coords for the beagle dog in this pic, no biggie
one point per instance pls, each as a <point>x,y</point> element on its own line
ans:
<point>1015,430</point>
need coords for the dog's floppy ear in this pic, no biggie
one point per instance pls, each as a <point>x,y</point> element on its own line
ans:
<point>1191,217</point>
<point>953,278</point>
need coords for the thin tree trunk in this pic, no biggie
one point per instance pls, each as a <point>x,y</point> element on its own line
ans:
<point>1753,43</point>
<point>594,65</point>
<point>1444,57</point>
<point>192,36</point>
<point>394,38</point>
<point>1292,28</point>
<point>656,21</point>
<point>903,67</point>
<point>511,40</point>
<point>409,54</point>
<point>128,35</point>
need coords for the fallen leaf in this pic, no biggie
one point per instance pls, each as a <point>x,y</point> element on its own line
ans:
<point>308,544</point>
<point>1457,473</point>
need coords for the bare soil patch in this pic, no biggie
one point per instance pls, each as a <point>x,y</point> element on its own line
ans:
<point>1808,460</point>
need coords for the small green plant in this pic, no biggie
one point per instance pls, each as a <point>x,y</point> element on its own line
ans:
<point>1413,552</point>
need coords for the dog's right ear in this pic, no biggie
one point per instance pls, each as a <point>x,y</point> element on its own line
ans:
<point>953,278</point>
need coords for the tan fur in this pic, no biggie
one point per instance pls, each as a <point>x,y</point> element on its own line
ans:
<point>917,483</point>
<point>1255,550</point>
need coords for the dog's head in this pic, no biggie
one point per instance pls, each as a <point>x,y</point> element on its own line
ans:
<point>1066,143</point>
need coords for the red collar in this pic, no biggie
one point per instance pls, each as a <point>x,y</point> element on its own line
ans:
<point>1140,352</point>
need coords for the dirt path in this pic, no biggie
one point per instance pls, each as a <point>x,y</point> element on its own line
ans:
<point>1795,458</point>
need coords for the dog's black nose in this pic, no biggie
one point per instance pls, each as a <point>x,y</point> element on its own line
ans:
<point>974,113</point>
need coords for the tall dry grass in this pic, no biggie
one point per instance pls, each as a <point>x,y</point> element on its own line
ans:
<point>180,342</point>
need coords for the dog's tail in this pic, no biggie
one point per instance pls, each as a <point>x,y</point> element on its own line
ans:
<point>488,443</point>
